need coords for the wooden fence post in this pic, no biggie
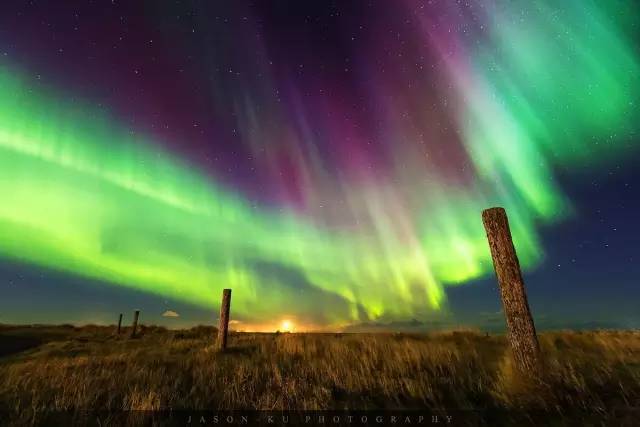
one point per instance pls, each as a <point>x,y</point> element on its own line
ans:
<point>136,314</point>
<point>223,326</point>
<point>119,323</point>
<point>520,327</point>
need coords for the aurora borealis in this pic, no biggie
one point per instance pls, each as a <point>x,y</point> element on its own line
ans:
<point>328,162</point>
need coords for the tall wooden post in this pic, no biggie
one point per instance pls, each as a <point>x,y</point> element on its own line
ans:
<point>223,326</point>
<point>136,314</point>
<point>119,323</point>
<point>520,327</point>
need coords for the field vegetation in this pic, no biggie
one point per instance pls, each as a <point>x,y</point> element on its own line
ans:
<point>76,368</point>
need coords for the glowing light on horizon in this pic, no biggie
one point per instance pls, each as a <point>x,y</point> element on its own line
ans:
<point>286,326</point>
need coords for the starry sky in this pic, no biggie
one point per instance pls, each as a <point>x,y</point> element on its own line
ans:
<point>327,160</point>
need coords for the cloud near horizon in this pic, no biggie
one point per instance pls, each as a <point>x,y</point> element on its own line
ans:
<point>170,313</point>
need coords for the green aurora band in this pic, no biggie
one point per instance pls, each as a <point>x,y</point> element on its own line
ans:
<point>83,195</point>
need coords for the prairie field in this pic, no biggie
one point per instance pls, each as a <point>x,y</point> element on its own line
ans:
<point>593,374</point>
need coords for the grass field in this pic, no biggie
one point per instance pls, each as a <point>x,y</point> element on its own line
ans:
<point>69,368</point>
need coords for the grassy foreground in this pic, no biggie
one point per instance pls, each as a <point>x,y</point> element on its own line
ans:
<point>63,368</point>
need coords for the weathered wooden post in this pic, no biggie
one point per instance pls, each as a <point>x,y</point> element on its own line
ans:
<point>136,314</point>
<point>223,326</point>
<point>119,323</point>
<point>520,327</point>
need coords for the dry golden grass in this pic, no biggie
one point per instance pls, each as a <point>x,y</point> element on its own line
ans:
<point>91,368</point>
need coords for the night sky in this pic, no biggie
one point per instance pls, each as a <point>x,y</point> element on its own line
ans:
<point>327,160</point>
